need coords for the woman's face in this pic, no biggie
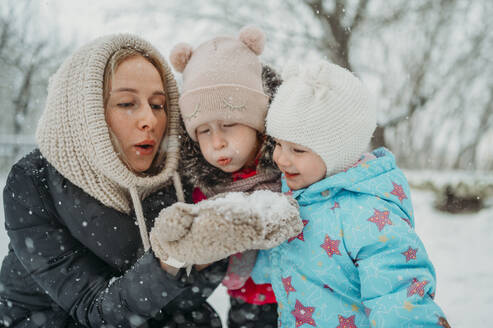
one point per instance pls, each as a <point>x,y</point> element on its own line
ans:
<point>135,111</point>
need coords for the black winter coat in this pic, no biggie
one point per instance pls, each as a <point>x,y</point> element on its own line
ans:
<point>73,262</point>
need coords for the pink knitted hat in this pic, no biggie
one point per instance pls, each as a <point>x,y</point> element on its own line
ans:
<point>222,80</point>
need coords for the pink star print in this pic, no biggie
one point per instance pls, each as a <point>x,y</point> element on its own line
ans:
<point>336,205</point>
<point>410,254</point>
<point>380,219</point>
<point>398,191</point>
<point>417,287</point>
<point>346,322</point>
<point>331,246</point>
<point>287,285</point>
<point>303,314</point>
<point>300,236</point>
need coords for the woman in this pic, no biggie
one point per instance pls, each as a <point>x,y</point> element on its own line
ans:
<point>78,209</point>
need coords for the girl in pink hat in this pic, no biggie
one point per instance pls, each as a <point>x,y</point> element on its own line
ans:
<point>225,96</point>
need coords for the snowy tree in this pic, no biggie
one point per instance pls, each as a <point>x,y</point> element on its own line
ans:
<point>456,191</point>
<point>427,62</point>
<point>27,57</point>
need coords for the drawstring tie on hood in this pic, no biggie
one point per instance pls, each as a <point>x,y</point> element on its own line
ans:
<point>139,213</point>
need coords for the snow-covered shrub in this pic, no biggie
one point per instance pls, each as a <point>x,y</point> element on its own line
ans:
<point>456,191</point>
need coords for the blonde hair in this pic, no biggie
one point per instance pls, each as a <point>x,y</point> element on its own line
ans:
<point>112,65</point>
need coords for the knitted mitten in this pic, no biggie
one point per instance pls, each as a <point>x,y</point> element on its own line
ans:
<point>224,225</point>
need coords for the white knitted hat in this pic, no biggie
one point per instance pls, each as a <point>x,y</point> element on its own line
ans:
<point>324,107</point>
<point>73,135</point>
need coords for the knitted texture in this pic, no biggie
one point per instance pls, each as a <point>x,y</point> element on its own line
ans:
<point>324,107</point>
<point>268,180</point>
<point>222,81</point>
<point>74,137</point>
<point>224,225</point>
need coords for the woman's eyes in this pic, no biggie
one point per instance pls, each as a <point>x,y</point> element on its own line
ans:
<point>157,102</point>
<point>229,125</point>
<point>157,106</point>
<point>126,105</point>
<point>203,131</point>
<point>129,105</point>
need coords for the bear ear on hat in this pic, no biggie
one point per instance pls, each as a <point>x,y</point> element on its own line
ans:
<point>180,55</point>
<point>253,38</point>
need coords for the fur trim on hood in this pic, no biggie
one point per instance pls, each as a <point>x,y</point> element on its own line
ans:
<point>198,172</point>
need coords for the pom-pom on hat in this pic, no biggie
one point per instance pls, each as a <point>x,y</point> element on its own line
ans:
<point>180,55</point>
<point>326,108</point>
<point>222,80</point>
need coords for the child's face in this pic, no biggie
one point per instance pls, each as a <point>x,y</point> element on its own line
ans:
<point>228,146</point>
<point>301,166</point>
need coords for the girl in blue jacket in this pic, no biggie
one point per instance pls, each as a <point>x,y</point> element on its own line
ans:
<point>358,262</point>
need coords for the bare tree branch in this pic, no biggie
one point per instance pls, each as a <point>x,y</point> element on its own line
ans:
<point>424,74</point>
<point>360,14</point>
<point>418,97</point>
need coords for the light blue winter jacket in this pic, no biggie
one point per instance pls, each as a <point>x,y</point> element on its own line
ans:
<point>358,262</point>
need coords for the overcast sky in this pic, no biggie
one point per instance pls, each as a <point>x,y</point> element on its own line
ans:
<point>86,19</point>
<point>82,21</point>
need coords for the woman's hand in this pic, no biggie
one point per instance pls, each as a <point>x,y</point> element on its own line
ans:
<point>200,267</point>
<point>172,270</point>
<point>168,268</point>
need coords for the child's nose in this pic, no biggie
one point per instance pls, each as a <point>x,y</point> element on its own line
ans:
<point>281,159</point>
<point>218,141</point>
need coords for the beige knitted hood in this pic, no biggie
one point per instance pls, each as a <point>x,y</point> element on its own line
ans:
<point>74,137</point>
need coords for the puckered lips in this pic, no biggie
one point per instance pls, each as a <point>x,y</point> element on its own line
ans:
<point>289,175</point>
<point>145,147</point>
<point>223,161</point>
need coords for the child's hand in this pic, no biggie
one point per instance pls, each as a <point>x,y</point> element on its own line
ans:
<point>217,228</point>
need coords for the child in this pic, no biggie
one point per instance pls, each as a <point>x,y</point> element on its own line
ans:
<point>358,261</point>
<point>224,100</point>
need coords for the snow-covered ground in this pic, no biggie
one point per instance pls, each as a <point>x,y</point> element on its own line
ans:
<point>458,245</point>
